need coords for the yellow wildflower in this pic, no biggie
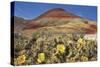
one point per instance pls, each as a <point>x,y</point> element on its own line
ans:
<point>84,58</point>
<point>21,59</point>
<point>61,48</point>
<point>81,41</point>
<point>41,57</point>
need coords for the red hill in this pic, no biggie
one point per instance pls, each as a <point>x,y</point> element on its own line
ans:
<point>58,13</point>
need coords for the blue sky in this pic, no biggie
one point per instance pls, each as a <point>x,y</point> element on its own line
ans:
<point>30,10</point>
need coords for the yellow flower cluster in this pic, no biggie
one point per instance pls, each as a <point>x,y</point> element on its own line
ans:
<point>80,42</point>
<point>61,48</point>
<point>41,57</point>
<point>83,58</point>
<point>21,59</point>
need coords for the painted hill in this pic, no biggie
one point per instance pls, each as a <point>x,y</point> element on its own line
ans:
<point>58,20</point>
<point>57,13</point>
<point>50,17</point>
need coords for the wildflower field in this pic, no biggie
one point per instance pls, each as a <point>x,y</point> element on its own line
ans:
<point>47,47</point>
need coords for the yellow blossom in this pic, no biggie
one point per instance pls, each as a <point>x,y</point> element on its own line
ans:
<point>81,41</point>
<point>21,59</point>
<point>41,57</point>
<point>61,48</point>
<point>84,58</point>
